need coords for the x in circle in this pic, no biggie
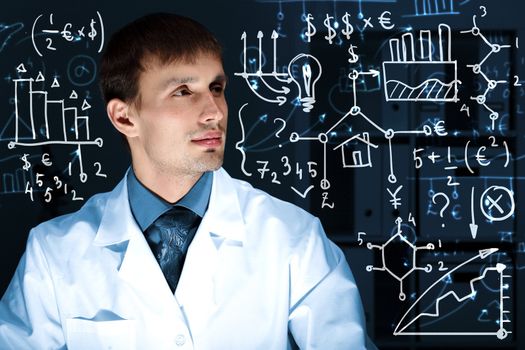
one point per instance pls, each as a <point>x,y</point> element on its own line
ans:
<point>487,202</point>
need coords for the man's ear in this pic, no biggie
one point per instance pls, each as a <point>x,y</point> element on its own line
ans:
<point>122,116</point>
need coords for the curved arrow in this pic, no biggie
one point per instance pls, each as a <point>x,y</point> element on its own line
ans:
<point>280,99</point>
<point>284,90</point>
<point>282,80</point>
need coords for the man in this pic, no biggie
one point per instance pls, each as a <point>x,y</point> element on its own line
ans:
<point>258,273</point>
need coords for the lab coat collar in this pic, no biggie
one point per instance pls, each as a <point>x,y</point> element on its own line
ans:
<point>219,241</point>
<point>222,219</point>
<point>117,223</point>
<point>196,295</point>
<point>138,268</point>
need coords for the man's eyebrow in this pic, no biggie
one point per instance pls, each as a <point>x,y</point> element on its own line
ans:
<point>177,81</point>
<point>172,81</point>
<point>221,78</point>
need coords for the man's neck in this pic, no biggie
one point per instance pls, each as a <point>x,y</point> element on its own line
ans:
<point>170,187</point>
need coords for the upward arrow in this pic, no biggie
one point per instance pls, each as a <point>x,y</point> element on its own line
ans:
<point>243,38</point>
<point>260,36</point>
<point>274,38</point>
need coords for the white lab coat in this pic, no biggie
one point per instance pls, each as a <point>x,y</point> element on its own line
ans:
<point>258,269</point>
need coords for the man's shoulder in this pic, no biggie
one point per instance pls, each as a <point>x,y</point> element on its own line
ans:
<point>82,223</point>
<point>276,225</point>
<point>271,219</point>
<point>268,204</point>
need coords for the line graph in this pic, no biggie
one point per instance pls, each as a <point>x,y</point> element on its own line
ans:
<point>501,333</point>
<point>429,90</point>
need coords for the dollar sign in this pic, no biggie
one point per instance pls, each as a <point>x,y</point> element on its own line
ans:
<point>331,31</point>
<point>349,28</point>
<point>93,32</point>
<point>353,57</point>
<point>26,165</point>
<point>311,28</point>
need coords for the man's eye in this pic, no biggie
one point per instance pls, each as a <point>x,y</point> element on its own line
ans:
<point>217,89</point>
<point>181,92</point>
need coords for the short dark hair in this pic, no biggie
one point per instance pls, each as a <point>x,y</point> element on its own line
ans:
<point>164,37</point>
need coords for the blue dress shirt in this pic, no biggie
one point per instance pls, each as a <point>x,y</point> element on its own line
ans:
<point>146,206</point>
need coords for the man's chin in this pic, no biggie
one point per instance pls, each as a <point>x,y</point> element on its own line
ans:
<point>211,164</point>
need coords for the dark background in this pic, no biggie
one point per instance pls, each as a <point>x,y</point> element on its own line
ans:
<point>361,202</point>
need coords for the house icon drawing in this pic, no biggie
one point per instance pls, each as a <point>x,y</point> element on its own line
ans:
<point>360,154</point>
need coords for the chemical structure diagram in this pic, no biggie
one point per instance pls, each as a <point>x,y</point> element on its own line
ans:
<point>478,69</point>
<point>399,238</point>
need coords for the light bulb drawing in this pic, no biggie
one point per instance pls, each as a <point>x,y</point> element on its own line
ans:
<point>311,71</point>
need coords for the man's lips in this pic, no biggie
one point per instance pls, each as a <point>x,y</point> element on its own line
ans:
<point>209,139</point>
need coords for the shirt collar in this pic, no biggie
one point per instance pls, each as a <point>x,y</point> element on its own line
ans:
<point>146,206</point>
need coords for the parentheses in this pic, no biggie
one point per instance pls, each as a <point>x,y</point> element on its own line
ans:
<point>33,35</point>
<point>508,154</point>
<point>101,32</point>
<point>466,158</point>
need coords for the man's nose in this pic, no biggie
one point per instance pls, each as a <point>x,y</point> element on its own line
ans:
<point>212,109</point>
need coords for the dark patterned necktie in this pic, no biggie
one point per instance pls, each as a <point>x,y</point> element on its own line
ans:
<point>169,237</point>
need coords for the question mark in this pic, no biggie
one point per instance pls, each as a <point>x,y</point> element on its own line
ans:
<point>444,207</point>
<point>281,129</point>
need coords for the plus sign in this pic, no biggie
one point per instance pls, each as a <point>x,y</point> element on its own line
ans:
<point>433,157</point>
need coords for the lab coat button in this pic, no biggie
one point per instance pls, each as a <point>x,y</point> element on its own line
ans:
<point>180,340</point>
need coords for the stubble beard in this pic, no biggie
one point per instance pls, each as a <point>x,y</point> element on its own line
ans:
<point>209,160</point>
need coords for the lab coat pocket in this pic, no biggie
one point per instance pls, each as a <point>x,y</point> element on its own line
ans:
<point>89,334</point>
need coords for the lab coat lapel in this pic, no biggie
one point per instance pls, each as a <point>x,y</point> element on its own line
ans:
<point>222,226</point>
<point>139,269</point>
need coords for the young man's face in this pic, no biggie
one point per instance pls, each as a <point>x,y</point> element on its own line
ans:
<point>182,116</point>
